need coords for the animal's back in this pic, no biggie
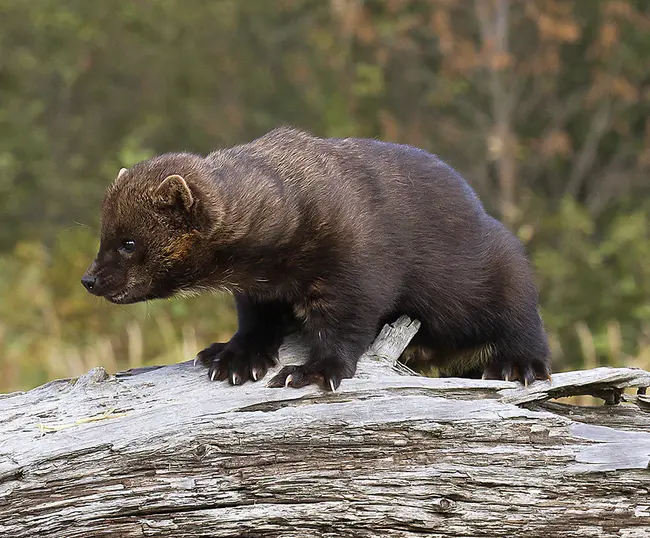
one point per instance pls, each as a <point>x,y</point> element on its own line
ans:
<point>373,180</point>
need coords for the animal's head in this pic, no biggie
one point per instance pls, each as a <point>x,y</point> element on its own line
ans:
<point>154,217</point>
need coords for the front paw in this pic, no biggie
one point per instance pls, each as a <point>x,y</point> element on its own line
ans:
<point>238,361</point>
<point>301,376</point>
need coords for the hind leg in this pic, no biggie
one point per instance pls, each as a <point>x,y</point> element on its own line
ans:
<point>513,354</point>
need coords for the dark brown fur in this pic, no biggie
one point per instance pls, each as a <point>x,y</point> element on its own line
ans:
<point>332,236</point>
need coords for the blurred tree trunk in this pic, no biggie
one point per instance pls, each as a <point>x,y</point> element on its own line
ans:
<point>494,22</point>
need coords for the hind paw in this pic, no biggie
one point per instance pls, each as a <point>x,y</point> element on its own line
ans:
<point>525,372</point>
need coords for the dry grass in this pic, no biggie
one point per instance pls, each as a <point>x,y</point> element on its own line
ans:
<point>36,358</point>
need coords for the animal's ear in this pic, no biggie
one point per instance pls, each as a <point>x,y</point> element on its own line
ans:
<point>173,191</point>
<point>121,172</point>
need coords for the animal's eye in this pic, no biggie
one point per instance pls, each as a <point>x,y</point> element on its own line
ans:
<point>128,246</point>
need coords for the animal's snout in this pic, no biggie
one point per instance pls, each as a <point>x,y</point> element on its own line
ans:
<point>89,282</point>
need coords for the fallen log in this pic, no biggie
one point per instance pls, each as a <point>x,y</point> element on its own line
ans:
<point>163,451</point>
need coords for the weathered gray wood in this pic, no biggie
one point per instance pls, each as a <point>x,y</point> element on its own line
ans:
<point>608,383</point>
<point>165,452</point>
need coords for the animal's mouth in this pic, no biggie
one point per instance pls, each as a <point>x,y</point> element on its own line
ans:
<point>128,297</point>
<point>121,297</point>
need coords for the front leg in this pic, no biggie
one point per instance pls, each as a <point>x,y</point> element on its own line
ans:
<point>253,349</point>
<point>337,338</point>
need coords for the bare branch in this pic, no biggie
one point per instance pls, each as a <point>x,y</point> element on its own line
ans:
<point>601,122</point>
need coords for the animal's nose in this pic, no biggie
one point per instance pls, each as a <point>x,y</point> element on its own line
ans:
<point>88,282</point>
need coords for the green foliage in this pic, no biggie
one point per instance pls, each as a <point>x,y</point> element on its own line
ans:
<point>556,107</point>
<point>595,276</point>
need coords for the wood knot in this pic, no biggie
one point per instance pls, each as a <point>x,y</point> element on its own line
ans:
<point>444,505</point>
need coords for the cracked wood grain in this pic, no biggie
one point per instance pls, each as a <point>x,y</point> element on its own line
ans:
<point>162,451</point>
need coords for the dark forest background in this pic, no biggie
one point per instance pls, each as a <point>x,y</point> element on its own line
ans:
<point>543,105</point>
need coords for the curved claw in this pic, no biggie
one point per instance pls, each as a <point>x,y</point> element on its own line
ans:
<point>236,361</point>
<point>524,371</point>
